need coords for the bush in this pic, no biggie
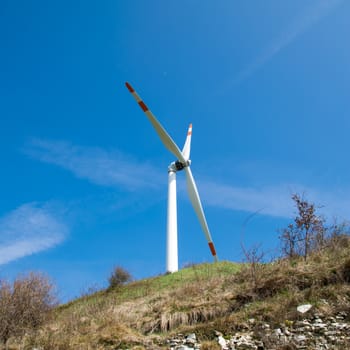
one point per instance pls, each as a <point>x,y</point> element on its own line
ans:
<point>118,277</point>
<point>24,305</point>
<point>307,233</point>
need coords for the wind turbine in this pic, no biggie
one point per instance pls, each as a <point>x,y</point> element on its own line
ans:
<point>182,163</point>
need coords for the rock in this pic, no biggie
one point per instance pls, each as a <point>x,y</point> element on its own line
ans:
<point>318,332</point>
<point>223,343</point>
<point>342,315</point>
<point>260,345</point>
<point>287,332</point>
<point>304,308</point>
<point>341,326</point>
<point>184,343</point>
<point>278,332</point>
<point>191,339</point>
<point>300,338</point>
<point>243,341</point>
<point>191,336</point>
<point>319,327</point>
<point>183,347</point>
<point>252,321</point>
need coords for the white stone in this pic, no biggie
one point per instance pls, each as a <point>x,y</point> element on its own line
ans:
<point>287,332</point>
<point>191,336</point>
<point>304,308</point>
<point>300,338</point>
<point>222,342</point>
<point>278,332</point>
<point>251,321</point>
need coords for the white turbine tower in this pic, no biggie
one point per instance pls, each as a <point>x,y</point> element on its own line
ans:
<point>182,163</point>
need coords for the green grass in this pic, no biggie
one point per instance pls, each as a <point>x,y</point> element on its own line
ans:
<point>203,298</point>
<point>149,305</point>
<point>196,273</point>
<point>142,288</point>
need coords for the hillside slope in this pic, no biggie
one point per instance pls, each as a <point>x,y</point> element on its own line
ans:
<point>206,299</point>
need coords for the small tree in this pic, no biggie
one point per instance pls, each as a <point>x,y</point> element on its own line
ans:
<point>118,277</point>
<point>306,233</point>
<point>24,305</point>
<point>309,232</point>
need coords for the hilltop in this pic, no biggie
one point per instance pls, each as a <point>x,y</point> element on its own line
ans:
<point>208,300</point>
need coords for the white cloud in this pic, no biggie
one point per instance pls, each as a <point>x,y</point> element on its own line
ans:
<point>107,168</point>
<point>275,200</point>
<point>29,229</point>
<point>116,170</point>
<point>306,20</point>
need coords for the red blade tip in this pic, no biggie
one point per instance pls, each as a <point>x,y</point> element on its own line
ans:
<point>212,248</point>
<point>129,87</point>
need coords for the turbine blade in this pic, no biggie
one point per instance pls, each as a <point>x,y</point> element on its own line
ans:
<point>197,205</point>
<point>187,147</point>
<point>164,136</point>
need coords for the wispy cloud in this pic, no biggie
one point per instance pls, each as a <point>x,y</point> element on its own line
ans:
<point>303,22</point>
<point>29,229</point>
<point>112,168</point>
<point>99,166</point>
<point>275,200</point>
<point>272,200</point>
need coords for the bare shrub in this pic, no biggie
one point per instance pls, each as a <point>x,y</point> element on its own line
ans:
<point>338,235</point>
<point>24,305</point>
<point>119,277</point>
<point>306,233</point>
<point>253,256</point>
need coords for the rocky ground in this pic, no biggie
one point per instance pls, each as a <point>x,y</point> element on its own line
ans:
<point>315,332</point>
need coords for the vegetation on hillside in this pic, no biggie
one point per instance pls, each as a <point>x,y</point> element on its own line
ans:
<point>119,277</point>
<point>25,304</point>
<point>210,297</point>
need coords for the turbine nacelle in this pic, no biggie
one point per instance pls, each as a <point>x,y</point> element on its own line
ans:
<point>177,166</point>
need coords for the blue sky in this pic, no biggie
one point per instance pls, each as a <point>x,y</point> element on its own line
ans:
<point>84,176</point>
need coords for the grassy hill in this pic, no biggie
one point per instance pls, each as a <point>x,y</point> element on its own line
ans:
<point>202,299</point>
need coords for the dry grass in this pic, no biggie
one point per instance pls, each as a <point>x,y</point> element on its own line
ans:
<point>200,299</point>
<point>210,345</point>
<point>134,315</point>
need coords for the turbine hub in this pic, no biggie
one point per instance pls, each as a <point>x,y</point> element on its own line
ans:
<point>177,166</point>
